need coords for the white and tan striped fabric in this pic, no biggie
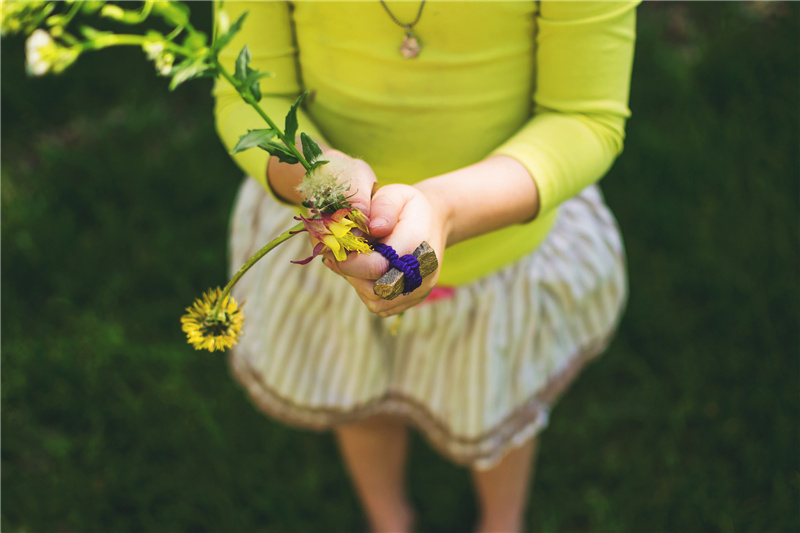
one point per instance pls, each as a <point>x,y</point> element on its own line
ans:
<point>475,373</point>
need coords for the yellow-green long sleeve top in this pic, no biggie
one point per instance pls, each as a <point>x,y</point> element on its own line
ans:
<point>546,83</point>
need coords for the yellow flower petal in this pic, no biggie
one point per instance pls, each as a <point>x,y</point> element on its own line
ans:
<point>209,328</point>
<point>341,228</point>
<point>335,246</point>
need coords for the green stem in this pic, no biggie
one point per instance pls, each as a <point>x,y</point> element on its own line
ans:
<point>71,13</point>
<point>174,33</point>
<point>125,39</point>
<point>285,236</point>
<point>146,9</point>
<point>122,39</point>
<point>61,20</point>
<point>289,143</point>
<point>69,39</point>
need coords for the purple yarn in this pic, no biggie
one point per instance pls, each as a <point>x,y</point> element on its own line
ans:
<point>408,265</point>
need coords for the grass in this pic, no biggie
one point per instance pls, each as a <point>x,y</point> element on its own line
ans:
<point>115,200</point>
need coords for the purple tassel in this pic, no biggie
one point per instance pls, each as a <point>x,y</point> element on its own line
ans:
<point>408,265</point>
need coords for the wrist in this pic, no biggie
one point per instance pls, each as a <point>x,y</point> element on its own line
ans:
<point>487,196</point>
<point>283,180</point>
<point>440,202</point>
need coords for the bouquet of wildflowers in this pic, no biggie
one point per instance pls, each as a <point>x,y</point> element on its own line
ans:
<point>58,33</point>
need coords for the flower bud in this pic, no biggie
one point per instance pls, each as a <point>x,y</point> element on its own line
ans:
<point>164,63</point>
<point>153,49</point>
<point>39,50</point>
<point>113,12</point>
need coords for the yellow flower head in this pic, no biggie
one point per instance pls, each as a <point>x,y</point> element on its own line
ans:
<point>209,328</point>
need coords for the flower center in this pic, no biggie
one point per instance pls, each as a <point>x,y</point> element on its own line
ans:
<point>216,327</point>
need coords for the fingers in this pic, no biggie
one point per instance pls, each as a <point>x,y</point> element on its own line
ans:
<point>363,288</point>
<point>407,218</point>
<point>331,264</point>
<point>362,182</point>
<point>387,203</point>
<point>359,174</point>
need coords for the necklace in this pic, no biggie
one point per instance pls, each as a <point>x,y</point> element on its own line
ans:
<point>411,46</point>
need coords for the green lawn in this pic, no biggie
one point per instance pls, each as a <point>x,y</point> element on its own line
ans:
<point>115,200</point>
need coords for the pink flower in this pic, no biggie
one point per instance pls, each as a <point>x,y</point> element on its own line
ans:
<point>335,233</point>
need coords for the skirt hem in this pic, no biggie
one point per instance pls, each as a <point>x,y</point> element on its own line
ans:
<point>482,451</point>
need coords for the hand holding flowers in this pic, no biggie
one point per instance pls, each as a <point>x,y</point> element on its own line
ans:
<point>400,216</point>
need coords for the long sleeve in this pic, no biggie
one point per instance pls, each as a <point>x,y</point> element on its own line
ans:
<point>583,58</point>
<point>268,34</point>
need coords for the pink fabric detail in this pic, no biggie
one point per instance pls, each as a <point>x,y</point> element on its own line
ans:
<point>440,293</point>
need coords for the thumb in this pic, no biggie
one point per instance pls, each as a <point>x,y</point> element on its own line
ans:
<point>385,210</point>
<point>362,180</point>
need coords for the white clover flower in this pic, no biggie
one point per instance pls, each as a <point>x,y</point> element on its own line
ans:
<point>39,52</point>
<point>327,183</point>
<point>156,51</point>
<point>164,63</point>
<point>153,48</point>
<point>44,55</point>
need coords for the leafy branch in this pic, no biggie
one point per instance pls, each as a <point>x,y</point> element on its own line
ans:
<point>182,54</point>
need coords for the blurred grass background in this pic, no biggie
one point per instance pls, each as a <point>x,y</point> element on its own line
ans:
<point>115,201</point>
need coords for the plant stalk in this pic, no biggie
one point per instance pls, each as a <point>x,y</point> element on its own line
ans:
<point>289,143</point>
<point>285,236</point>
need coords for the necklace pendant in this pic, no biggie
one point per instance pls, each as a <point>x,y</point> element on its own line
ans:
<point>410,47</point>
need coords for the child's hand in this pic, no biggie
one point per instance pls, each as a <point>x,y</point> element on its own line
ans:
<point>402,217</point>
<point>361,176</point>
<point>284,178</point>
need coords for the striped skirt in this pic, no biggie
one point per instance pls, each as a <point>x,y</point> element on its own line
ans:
<point>476,373</point>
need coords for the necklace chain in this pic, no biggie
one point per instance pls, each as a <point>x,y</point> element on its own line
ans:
<point>411,46</point>
<point>406,27</point>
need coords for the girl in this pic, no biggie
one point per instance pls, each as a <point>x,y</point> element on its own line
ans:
<point>487,124</point>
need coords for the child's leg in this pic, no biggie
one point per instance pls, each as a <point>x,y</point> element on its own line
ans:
<point>375,451</point>
<point>503,490</point>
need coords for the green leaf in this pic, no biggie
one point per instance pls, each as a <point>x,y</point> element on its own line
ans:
<point>291,118</point>
<point>222,40</point>
<point>317,164</point>
<point>254,76</point>
<point>281,152</point>
<point>247,76</point>
<point>251,82</point>
<point>253,138</point>
<point>256,90</point>
<point>187,70</point>
<point>240,72</point>
<point>311,150</point>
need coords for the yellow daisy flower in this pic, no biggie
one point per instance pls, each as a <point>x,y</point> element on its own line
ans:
<point>209,328</point>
